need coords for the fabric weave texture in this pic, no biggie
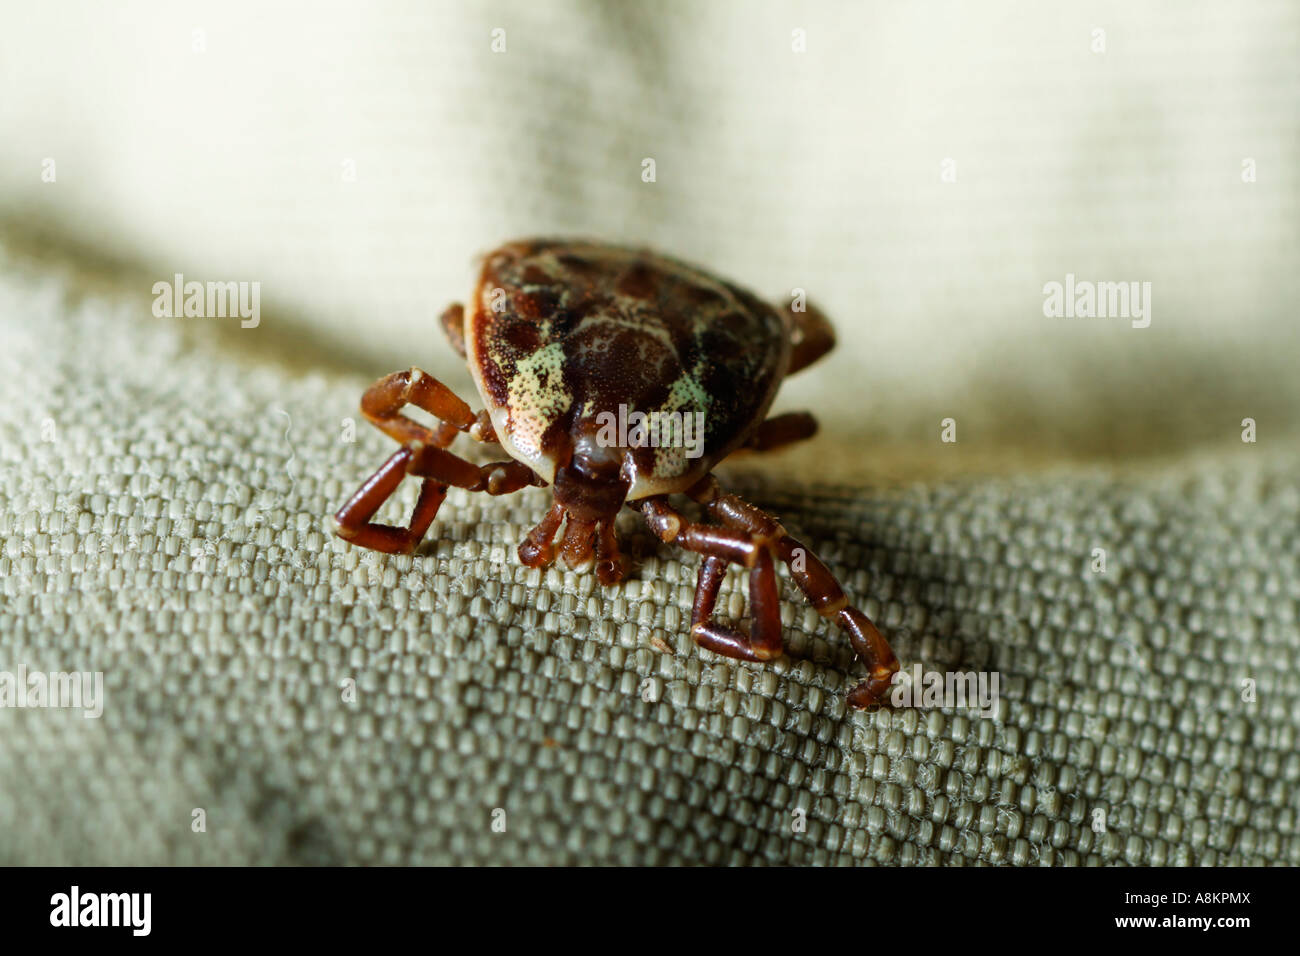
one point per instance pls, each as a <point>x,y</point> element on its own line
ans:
<point>170,530</point>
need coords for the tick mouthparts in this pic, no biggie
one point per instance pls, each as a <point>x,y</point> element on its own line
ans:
<point>591,459</point>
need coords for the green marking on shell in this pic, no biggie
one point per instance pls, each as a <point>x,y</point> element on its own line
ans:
<point>687,392</point>
<point>537,396</point>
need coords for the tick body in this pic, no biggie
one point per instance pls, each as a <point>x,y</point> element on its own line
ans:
<point>567,342</point>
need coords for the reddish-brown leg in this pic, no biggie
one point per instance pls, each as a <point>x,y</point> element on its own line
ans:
<point>812,336</point>
<point>355,526</point>
<point>721,546</point>
<point>494,478</point>
<point>424,456</point>
<point>673,527</point>
<point>782,430</point>
<point>763,643</point>
<point>815,580</point>
<point>383,402</point>
<point>439,468</point>
<point>453,326</point>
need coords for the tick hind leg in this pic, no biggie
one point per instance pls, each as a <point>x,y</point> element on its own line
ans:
<point>453,326</point>
<point>812,335</point>
<point>811,338</point>
<point>423,455</point>
<point>763,642</point>
<point>782,430</point>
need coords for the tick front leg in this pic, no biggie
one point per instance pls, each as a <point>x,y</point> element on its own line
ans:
<point>538,549</point>
<point>720,547</point>
<point>453,326</point>
<point>439,469</point>
<point>494,478</point>
<point>817,583</point>
<point>763,643</point>
<point>382,405</point>
<point>383,402</point>
<point>581,543</point>
<point>611,566</point>
<point>353,519</point>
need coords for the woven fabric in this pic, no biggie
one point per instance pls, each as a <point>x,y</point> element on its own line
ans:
<point>164,521</point>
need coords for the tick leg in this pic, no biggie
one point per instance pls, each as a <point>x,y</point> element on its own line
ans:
<point>812,336</point>
<point>494,478</point>
<point>426,457</point>
<point>423,455</point>
<point>817,583</point>
<point>673,527</point>
<point>782,430</point>
<point>353,519</point>
<point>763,643</point>
<point>721,546</point>
<point>453,325</point>
<point>383,402</point>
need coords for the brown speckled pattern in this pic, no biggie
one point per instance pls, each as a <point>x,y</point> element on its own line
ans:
<point>582,328</point>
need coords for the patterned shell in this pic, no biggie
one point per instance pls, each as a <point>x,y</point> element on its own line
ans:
<point>566,340</point>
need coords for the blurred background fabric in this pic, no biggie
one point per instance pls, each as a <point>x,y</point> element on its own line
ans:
<point>921,170</point>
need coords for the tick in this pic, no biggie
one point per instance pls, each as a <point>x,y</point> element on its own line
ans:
<point>567,343</point>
